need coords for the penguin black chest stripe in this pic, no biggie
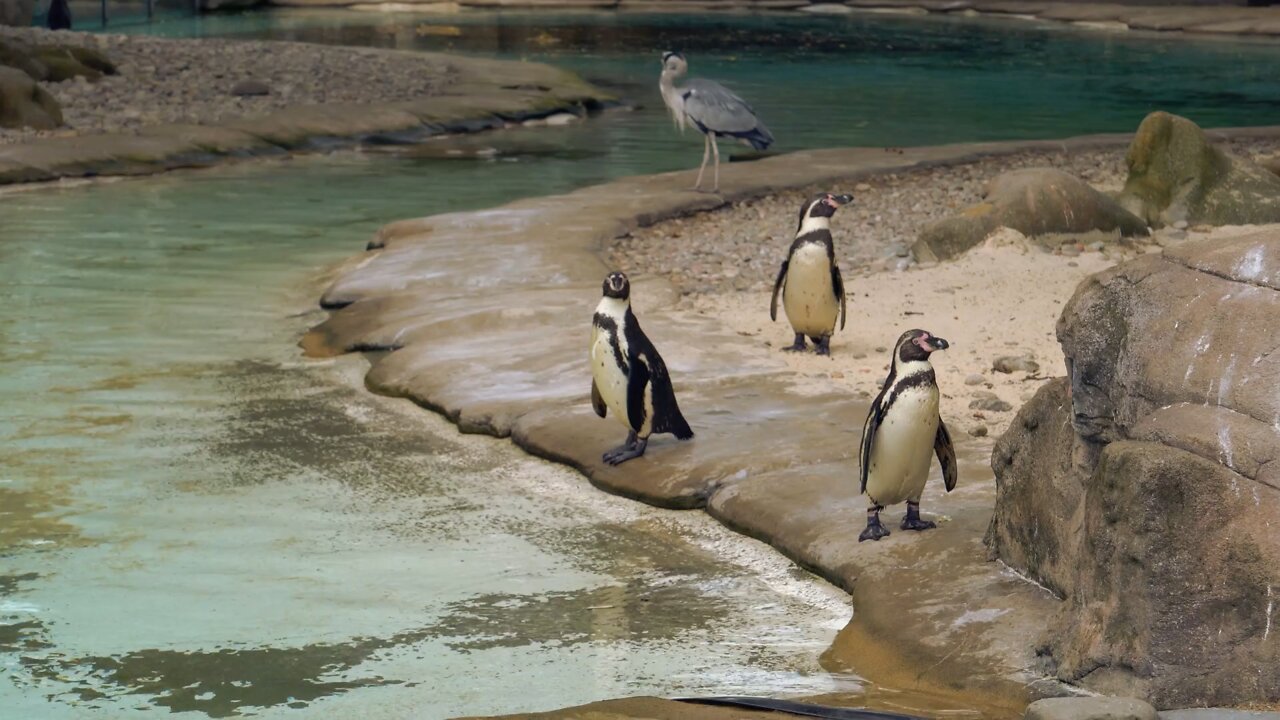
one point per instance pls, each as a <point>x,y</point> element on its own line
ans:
<point>606,324</point>
<point>915,380</point>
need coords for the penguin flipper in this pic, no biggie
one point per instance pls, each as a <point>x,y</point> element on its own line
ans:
<point>869,429</point>
<point>597,402</point>
<point>837,284</point>
<point>637,384</point>
<point>946,453</point>
<point>777,286</point>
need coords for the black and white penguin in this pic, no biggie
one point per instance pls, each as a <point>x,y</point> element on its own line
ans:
<point>902,430</point>
<point>628,376</point>
<point>812,289</point>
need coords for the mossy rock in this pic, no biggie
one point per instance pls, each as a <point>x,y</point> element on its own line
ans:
<point>55,63</point>
<point>1176,174</point>
<point>23,103</point>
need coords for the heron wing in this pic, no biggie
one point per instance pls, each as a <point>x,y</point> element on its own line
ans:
<point>718,108</point>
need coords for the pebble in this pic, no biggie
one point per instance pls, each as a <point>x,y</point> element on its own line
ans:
<point>1096,246</point>
<point>990,404</point>
<point>1180,225</point>
<point>978,431</point>
<point>974,379</point>
<point>1011,364</point>
<point>250,87</point>
<point>562,119</point>
<point>1069,250</point>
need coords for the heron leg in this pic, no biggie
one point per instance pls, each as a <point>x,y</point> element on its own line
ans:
<point>706,155</point>
<point>716,150</point>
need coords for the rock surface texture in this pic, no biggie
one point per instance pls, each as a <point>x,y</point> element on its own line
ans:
<point>1090,708</point>
<point>1033,201</point>
<point>1144,488</point>
<point>16,12</point>
<point>1177,175</point>
<point>23,103</point>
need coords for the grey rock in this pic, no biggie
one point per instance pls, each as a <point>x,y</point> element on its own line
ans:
<point>978,431</point>
<point>1090,708</point>
<point>990,404</point>
<point>975,379</point>
<point>250,88</point>
<point>1175,174</point>
<point>23,103</point>
<point>16,12</point>
<point>1180,225</point>
<point>1033,201</point>
<point>1218,714</point>
<point>1011,364</point>
<point>1069,250</point>
<point>1117,486</point>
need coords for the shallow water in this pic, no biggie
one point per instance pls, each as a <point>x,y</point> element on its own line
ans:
<point>196,519</point>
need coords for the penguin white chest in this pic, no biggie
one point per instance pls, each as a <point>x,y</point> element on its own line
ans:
<point>902,451</point>
<point>809,296</point>
<point>609,376</point>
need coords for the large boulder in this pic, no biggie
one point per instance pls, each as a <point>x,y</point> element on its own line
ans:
<point>1144,488</point>
<point>1176,174</point>
<point>23,103</point>
<point>1033,201</point>
<point>55,63</point>
<point>17,12</point>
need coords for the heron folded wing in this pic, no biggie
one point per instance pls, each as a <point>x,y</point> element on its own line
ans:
<point>716,108</point>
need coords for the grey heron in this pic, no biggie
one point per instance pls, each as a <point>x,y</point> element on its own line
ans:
<point>712,108</point>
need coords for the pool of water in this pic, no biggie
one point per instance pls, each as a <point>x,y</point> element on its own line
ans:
<point>194,519</point>
<point>824,80</point>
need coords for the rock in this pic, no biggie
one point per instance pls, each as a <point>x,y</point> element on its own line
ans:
<point>1180,225</point>
<point>1176,174</point>
<point>974,379</point>
<point>1033,201</point>
<point>1011,364</point>
<point>55,63</point>
<point>23,103</point>
<point>1270,164</point>
<point>978,431</point>
<point>562,119</point>
<point>1143,488</point>
<point>1090,708</point>
<point>250,88</point>
<point>18,13</point>
<point>989,402</point>
<point>1218,714</point>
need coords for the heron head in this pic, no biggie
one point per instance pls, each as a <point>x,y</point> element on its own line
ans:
<point>917,345</point>
<point>617,286</point>
<point>823,205</point>
<point>673,63</point>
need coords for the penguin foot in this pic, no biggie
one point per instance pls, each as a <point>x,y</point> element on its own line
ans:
<point>798,346</point>
<point>628,451</point>
<point>822,346</point>
<point>912,521</point>
<point>874,531</point>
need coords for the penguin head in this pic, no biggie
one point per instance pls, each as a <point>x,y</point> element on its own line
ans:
<point>823,205</point>
<point>915,345</point>
<point>617,286</point>
<point>674,64</point>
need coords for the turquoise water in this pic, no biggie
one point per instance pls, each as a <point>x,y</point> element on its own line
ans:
<point>821,81</point>
<point>195,519</point>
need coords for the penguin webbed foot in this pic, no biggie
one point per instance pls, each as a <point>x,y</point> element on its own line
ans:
<point>822,346</point>
<point>912,521</point>
<point>631,449</point>
<point>874,530</point>
<point>798,346</point>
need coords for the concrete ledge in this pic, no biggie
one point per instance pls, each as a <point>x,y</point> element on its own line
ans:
<point>486,94</point>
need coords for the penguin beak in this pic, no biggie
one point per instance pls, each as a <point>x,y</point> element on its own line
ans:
<point>938,343</point>
<point>842,199</point>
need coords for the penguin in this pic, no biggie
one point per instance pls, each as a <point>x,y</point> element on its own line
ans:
<point>900,428</point>
<point>628,375</point>
<point>59,16</point>
<point>812,289</point>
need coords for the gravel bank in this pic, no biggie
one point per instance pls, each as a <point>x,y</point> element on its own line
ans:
<point>740,247</point>
<point>190,81</point>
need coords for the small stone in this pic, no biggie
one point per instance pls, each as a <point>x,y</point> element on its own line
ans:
<point>974,379</point>
<point>900,250</point>
<point>882,349</point>
<point>1090,708</point>
<point>836,374</point>
<point>249,88</point>
<point>990,404</point>
<point>1180,225</point>
<point>1011,364</point>
<point>1096,246</point>
<point>978,431</point>
<point>562,119</point>
<point>862,187</point>
<point>1069,250</point>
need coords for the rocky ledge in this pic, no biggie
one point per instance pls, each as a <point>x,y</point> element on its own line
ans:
<point>162,110</point>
